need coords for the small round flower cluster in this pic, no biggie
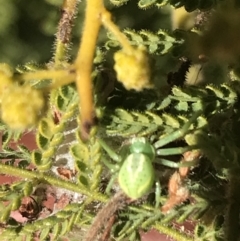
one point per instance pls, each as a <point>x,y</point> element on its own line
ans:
<point>5,77</point>
<point>21,105</point>
<point>133,69</point>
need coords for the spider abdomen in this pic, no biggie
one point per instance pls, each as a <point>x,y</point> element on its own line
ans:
<point>136,175</point>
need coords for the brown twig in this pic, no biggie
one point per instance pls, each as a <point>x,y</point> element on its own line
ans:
<point>63,35</point>
<point>106,234</point>
<point>105,216</point>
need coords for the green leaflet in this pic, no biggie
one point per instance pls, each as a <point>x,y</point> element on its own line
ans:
<point>132,123</point>
<point>189,5</point>
<point>159,43</point>
<point>143,123</point>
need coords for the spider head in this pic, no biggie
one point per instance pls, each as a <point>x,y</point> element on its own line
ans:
<point>142,145</point>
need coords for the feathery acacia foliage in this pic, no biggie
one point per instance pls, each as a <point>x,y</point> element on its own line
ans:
<point>138,84</point>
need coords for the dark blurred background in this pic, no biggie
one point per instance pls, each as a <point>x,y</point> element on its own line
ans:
<point>28,27</point>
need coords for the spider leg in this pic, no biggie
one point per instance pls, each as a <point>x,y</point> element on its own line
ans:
<point>110,183</point>
<point>157,193</point>
<point>113,167</point>
<point>110,151</point>
<point>172,164</point>
<point>178,133</point>
<point>174,150</point>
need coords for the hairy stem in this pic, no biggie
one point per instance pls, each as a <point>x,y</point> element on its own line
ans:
<point>117,202</point>
<point>169,231</point>
<point>63,77</point>
<point>64,31</point>
<point>54,181</point>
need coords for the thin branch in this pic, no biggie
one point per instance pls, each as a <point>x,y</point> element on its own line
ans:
<point>50,179</point>
<point>84,62</point>
<point>63,35</point>
<point>105,214</point>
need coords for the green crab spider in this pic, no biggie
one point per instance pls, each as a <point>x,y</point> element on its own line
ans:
<point>134,164</point>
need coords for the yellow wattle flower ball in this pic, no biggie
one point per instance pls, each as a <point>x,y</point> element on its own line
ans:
<point>5,77</point>
<point>133,69</point>
<point>22,106</point>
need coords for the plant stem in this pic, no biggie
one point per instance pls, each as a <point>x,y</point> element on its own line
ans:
<point>107,22</point>
<point>169,231</point>
<point>64,31</point>
<point>54,181</point>
<point>83,64</point>
<point>117,202</point>
<point>96,14</point>
<point>63,76</point>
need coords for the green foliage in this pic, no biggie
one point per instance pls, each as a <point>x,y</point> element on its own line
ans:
<point>189,5</point>
<point>190,126</point>
<point>159,43</point>
<point>182,102</point>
